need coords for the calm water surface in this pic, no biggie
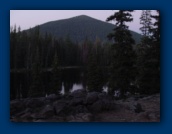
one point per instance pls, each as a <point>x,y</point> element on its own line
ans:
<point>71,80</point>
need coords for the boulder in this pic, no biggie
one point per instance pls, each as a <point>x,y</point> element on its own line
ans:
<point>80,109</point>
<point>47,111</point>
<point>153,115</point>
<point>138,108</point>
<point>26,116</point>
<point>108,104</point>
<point>52,97</point>
<point>16,106</point>
<point>59,106</point>
<point>81,117</point>
<point>87,117</point>
<point>70,118</point>
<point>92,97</point>
<point>96,107</point>
<point>35,102</point>
<point>73,110</point>
<point>103,95</point>
<point>76,101</point>
<point>77,97</point>
<point>80,93</point>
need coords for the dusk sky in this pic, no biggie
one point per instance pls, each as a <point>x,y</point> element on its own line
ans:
<point>30,18</point>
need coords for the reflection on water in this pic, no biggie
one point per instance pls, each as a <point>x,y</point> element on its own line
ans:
<point>62,90</point>
<point>74,87</point>
<point>105,88</point>
<point>79,86</point>
<point>71,80</point>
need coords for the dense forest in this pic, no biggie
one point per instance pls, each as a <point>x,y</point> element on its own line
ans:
<point>130,66</point>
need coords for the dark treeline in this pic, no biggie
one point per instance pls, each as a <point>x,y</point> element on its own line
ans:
<point>133,67</point>
<point>25,46</point>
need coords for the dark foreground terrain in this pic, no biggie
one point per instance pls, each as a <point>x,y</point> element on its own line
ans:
<point>80,106</point>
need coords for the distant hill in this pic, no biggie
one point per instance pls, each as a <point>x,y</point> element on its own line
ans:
<point>81,27</point>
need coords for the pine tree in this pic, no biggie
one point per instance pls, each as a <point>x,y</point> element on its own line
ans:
<point>155,51</point>
<point>145,21</point>
<point>55,87</point>
<point>148,61</point>
<point>13,47</point>
<point>94,77</point>
<point>123,54</point>
<point>36,89</point>
<point>13,80</point>
<point>156,29</point>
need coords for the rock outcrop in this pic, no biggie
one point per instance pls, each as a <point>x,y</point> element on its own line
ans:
<point>77,106</point>
<point>80,106</point>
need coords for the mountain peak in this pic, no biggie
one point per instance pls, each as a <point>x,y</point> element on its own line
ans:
<point>83,17</point>
<point>79,28</point>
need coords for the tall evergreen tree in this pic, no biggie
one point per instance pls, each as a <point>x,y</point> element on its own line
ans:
<point>148,61</point>
<point>13,47</point>
<point>145,21</point>
<point>55,87</point>
<point>94,77</point>
<point>13,78</point>
<point>123,54</point>
<point>156,29</point>
<point>155,51</point>
<point>36,89</point>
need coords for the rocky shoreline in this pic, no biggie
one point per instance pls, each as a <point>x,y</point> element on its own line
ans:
<point>80,106</point>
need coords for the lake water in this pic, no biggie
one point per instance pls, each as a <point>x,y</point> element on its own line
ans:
<point>71,80</point>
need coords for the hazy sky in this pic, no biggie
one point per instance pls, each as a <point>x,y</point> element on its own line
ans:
<point>30,18</point>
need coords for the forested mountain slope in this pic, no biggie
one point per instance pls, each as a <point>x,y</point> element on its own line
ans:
<point>79,28</point>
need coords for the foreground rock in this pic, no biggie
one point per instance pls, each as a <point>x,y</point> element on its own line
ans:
<point>80,106</point>
<point>77,106</point>
<point>142,109</point>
